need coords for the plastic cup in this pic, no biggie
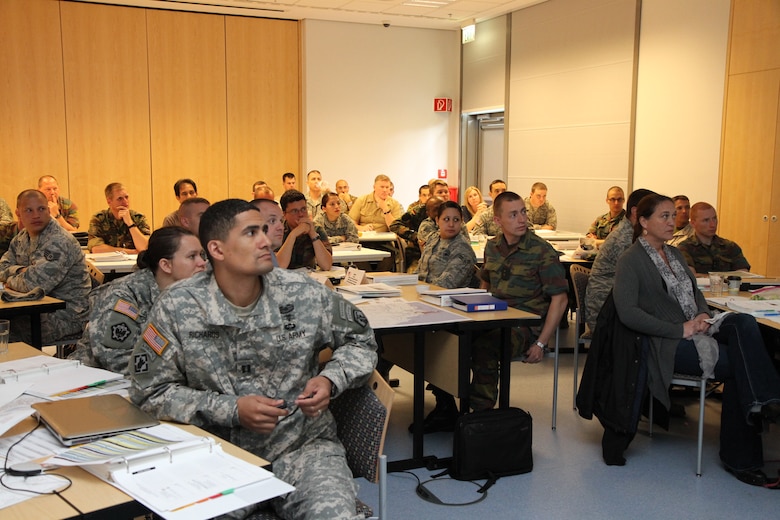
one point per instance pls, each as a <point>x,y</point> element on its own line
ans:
<point>716,284</point>
<point>733,284</point>
<point>5,331</point>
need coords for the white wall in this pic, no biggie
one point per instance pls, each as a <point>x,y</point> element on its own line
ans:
<point>570,103</point>
<point>368,104</point>
<point>484,68</point>
<point>682,71</point>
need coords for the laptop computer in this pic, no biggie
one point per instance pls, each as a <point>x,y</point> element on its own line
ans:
<point>86,419</point>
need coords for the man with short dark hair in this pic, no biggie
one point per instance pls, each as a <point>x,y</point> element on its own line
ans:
<point>682,226</point>
<point>62,210</point>
<point>342,188</point>
<point>603,225</point>
<point>423,194</point>
<point>486,225</point>
<point>602,274</point>
<point>705,251</point>
<point>183,189</point>
<point>43,256</point>
<point>190,212</point>
<point>541,214</point>
<point>118,228</point>
<point>305,243</point>
<point>235,351</point>
<point>288,181</point>
<point>523,269</point>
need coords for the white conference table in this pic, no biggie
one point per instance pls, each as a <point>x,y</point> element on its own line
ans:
<point>364,254</point>
<point>125,263</point>
<point>377,236</point>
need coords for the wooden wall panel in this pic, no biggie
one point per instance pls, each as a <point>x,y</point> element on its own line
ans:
<point>106,87</point>
<point>748,163</point>
<point>263,85</point>
<point>32,103</point>
<point>755,33</point>
<point>187,105</point>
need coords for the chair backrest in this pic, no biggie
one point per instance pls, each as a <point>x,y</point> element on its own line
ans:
<point>579,278</point>
<point>95,274</point>
<point>362,415</point>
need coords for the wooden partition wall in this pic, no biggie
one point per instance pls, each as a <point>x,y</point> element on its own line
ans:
<point>749,200</point>
<point>96,93</point>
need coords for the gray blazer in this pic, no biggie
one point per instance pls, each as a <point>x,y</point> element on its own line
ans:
<point>645,306</point>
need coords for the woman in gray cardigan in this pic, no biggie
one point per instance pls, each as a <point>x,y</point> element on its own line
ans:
<point>656,295</point>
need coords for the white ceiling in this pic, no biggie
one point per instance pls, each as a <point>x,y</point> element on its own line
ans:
<point>434,14</point>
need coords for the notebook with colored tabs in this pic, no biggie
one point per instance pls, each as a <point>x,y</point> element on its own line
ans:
<point>86,419</point>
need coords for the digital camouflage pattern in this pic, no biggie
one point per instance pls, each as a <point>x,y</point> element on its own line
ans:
<point>486,225</point>
<point>119,312</point>
<point>197,356</point>
<point>602,274</point>
<point>54,262</point>
<point>303,250</point>
<point>603,225</point>
<point>721,255</point>
<point>544,215</point>
<point>342,226</point>
<point>8,230</point>
<point>526,275</point>
<point>6,215</point>
<point>105,229</point>
<point>448,263</point>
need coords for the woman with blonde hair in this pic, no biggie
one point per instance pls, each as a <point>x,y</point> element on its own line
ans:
<point>473,208</point>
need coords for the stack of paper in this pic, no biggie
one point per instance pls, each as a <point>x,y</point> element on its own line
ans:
<point>393,278</point>
<point>53,378</point>
<point>371,290</point>
<point>443,297</point>
<point>758,308</point>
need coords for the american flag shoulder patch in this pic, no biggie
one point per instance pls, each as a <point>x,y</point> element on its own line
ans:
<point>126,308</point>
<point>154,339</point>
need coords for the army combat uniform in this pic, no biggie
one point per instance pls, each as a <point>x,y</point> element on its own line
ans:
<point>602,274</point>
<point>544,215</point>
<point>119,313</point>
<point>6,215</point>
<point>199,353</point>
<point>105,229</point>
<point>526,275</point>
<point>720,255</point>
<point>487,225</point>
<point>54,262</point>
<point>448,263</point>
<point>342,226</point>
<point>603,225</point>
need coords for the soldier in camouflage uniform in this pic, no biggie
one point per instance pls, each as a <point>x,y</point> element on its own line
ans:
<point>45,255</point>
<point>603,225</point>
<point>6,216</point>
<point>235,351</point>
<point>305,244</point>
<point>8,230</point>
<point>524,270</point>
<point>540,212</point>
<point>120,309</point>
<point>118,228</point>
<point>448,260</point>
<point>62,210</point>
<point>705,251</point>
<point>334,221</point>
<point>486,224</point>
<point>602,274</point>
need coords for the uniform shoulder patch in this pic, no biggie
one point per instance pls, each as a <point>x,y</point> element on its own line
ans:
<point>126,308</point>
<point>154,339</point>
<point>359,317</point>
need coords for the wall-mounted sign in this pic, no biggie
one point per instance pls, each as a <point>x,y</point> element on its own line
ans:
<point>442,105</point>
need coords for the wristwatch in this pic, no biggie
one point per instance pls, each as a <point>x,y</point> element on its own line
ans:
<point>314,239</point>
<point>541,345</point>
<point>131,226</point>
